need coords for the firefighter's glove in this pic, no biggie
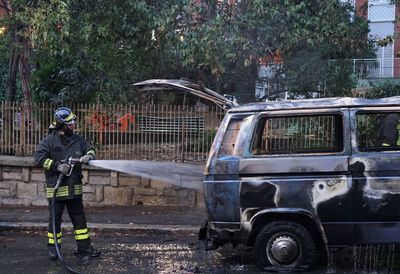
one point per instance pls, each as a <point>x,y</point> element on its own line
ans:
<point>64,168</point>
<point>86,158</point>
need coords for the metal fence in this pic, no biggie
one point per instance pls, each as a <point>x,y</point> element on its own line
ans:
<point>151,132</point>
<point>374,68</point>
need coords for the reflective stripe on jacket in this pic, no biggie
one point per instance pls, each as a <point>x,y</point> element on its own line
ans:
<point>64,191</point>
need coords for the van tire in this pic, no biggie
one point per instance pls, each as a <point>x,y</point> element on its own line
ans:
<point>285,245</point>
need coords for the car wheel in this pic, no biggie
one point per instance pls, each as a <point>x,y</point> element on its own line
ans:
<point>285,245</point>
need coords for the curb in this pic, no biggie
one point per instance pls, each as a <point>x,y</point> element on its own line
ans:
<point>100,226</point>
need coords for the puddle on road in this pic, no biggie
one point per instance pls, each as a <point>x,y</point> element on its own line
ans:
<point>184,257</point>
<point>371,259</point>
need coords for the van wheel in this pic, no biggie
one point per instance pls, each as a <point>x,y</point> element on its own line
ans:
<point>285,245</point>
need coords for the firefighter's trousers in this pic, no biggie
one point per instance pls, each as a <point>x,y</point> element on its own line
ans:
<point>78,219</point>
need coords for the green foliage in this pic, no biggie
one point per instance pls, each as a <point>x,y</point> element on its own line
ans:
<point>87,51</point>
<point>339,78</point>
<point>307,63</point>
<point>3,67</point>
<point>384,89</point>
<point>223,43</point>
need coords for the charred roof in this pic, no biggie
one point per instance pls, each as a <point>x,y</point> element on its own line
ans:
<point>337,102</point>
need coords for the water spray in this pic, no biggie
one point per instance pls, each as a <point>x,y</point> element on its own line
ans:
<point>178,174</point>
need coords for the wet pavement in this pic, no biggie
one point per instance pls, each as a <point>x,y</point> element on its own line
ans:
<point>166,252</point>
<point>113,216</point>
<point>162,252</point>
<point>155,252</point>
<point>143,239</point>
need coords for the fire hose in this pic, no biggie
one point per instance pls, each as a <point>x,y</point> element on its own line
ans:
<point>70,161</point>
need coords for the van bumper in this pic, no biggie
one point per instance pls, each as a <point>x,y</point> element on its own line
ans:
<point>220,233</point>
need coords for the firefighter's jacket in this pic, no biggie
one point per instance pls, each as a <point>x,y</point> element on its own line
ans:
<point>51,151</point>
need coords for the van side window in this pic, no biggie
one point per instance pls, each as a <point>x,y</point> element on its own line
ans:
<point>230,137</point>
<point>299,134</point>
<point>378,131</point>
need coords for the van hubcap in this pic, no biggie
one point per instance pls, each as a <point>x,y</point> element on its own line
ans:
<point>284,250</point>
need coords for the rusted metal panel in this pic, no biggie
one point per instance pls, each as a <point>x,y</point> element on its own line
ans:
<point>339,102</point>
<point>222,201</point>
<point>294,164</point>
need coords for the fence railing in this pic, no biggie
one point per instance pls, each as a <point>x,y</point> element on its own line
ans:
<point>374,68</point>
<point>152,132</point>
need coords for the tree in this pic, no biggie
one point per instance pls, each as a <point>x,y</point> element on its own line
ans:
<point>89,50</point>
<point>94,50</point>
<point>223,41</point>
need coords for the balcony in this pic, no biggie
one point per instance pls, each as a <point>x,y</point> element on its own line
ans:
<point>374,68</point>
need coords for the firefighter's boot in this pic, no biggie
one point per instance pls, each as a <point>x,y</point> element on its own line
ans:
<point>88,251</point>
<point>52,252</point>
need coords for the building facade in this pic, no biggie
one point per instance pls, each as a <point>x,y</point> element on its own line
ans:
<point>381,15</point>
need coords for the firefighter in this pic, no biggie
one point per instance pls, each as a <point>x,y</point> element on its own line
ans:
<point>60,144</point>
<point>389,130</point>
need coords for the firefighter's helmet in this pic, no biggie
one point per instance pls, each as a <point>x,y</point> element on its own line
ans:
<point>63,116</point>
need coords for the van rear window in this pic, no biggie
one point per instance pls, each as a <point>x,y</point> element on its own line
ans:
<point>299,134</point>
<point>231,134</point>
<point>378,131</point>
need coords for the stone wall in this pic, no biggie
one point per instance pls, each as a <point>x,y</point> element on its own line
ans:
<point>21,183</point>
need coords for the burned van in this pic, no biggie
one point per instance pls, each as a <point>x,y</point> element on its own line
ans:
<point>291,178</point>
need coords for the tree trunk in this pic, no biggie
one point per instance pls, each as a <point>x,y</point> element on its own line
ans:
<point>20,49</point>
<point>11,84</point>
<point>11,87</point>
<point>24,71</point>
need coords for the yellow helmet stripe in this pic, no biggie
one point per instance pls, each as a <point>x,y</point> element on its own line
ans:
<point>70,117</point>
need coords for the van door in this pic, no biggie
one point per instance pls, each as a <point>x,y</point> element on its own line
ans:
<point>298,162</point>
<point>221,184</point>
<point>375,168</point>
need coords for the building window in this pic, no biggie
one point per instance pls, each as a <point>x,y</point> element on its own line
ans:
<point>381,10</point>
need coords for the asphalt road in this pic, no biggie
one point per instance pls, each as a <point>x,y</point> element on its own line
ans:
<point>156,252</point>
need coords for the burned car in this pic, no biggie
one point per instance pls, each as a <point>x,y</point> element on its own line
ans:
<point>292,178</point>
